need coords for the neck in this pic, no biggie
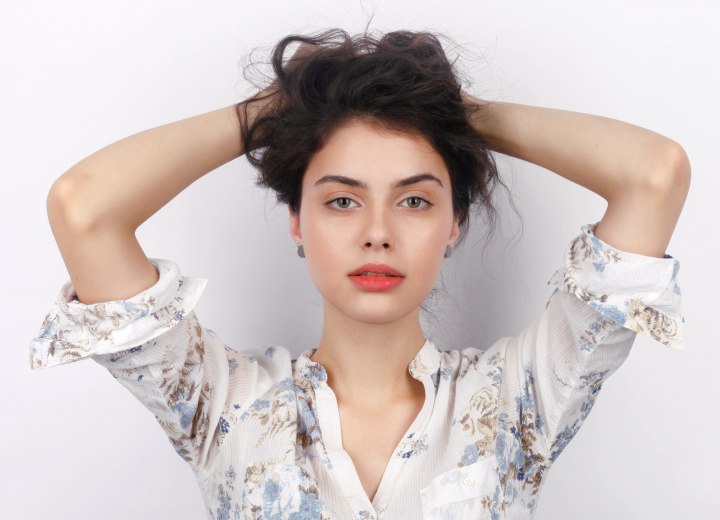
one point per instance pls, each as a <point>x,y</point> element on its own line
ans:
<point>367,362</point>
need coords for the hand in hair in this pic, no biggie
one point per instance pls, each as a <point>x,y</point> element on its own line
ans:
<point>269,100</point>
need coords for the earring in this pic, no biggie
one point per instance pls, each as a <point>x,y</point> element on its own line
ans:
<point>448,251</point>
<point>300,250</point>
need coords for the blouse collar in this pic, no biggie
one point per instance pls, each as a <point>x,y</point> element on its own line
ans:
<point>426,363</point>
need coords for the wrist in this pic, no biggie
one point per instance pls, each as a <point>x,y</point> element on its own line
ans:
<point>489,119</point>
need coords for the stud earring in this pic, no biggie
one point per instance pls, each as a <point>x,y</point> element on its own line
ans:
<point>448,251</point>
<point>300,250</point>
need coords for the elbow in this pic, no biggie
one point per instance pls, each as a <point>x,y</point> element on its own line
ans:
<point>63,205</point>
<point>671,172</point>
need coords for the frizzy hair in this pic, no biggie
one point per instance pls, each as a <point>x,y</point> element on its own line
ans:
<point>399,81</point>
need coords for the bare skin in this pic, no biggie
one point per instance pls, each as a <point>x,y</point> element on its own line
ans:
<point>643,176</point>
<point>370,434</point>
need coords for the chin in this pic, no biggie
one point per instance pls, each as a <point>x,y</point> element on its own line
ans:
<point>375,318</point>
<point>376,312</point>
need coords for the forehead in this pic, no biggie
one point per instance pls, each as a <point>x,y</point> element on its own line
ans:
<point>374,154</point>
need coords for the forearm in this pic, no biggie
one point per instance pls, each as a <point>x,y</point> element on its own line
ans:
<point>606,156</point>
<point>126,182</point>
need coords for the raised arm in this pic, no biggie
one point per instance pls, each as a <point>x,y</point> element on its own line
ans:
<point>644,176</point>
<point>616,279</point>
<point>135,316</point>
<point>95,207</point>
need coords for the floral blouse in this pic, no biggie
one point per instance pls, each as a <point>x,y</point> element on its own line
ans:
<point>261,431</point>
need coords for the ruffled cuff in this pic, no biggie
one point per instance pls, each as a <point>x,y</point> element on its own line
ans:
<point>636,291</point>
<point>73,330</point>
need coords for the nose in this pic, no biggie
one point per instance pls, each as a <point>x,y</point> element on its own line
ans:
<point>378,230</point>
<point>369,245</point>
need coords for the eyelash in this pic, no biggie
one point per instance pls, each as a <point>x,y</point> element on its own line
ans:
<point>427,206</point>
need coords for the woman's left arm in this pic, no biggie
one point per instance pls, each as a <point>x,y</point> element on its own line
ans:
<point>644,176</point>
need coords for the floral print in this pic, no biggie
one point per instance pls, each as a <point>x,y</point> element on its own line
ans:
<point>261,431</point>
<point>655,315</point>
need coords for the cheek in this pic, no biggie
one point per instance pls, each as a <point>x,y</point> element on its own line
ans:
<point>327,242</point>
<point>428,266</point>
<point>429,251</point>
<point>324,245</point>
<point>428,235</point>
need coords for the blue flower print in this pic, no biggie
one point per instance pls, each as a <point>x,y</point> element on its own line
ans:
<point>186,411</point>
<point>310,507</point>
<point>224,425</point>
<point>271,499</point>
<point>470,455</point>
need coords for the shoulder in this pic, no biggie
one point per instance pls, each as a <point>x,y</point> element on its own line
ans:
<point>273,360</point>
<point>467,360</point>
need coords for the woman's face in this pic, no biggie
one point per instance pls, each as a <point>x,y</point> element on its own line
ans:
<point>374,219</point>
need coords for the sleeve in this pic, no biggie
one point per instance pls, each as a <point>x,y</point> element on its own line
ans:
<point>153,344</point>
<point>554,369</point>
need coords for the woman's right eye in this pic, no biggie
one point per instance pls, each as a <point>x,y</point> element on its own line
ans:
<point>343,204</point>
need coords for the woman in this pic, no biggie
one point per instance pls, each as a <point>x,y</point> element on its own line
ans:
<point>380,156</point>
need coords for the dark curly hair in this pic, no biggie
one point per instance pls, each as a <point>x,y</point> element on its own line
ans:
<point>400,81</point>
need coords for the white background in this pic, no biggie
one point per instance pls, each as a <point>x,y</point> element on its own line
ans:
<point>78,75</point>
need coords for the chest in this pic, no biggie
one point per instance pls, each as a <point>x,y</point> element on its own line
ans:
<point>372,438</point>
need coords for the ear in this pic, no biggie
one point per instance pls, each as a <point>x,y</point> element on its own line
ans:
<point>294,225</point>
<point>455,232</point>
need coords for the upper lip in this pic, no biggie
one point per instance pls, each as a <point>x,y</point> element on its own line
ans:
<point>376,268</point>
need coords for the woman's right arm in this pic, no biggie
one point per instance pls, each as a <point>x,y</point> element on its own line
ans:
<point>135,315</point>
<point>96,206</point>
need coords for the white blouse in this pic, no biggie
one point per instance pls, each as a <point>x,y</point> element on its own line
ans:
<point>261,431</point>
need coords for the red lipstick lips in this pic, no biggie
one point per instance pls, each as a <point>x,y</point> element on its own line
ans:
<point>370,277</point>
<point>376,268</point>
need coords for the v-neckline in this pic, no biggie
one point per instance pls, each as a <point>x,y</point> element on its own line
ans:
<point>423,367</point>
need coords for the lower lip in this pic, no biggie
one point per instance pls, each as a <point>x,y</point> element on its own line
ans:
<point>376,283</point>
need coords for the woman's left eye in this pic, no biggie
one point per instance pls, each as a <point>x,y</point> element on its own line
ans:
<point>416,203</point>
<point>419,200</point>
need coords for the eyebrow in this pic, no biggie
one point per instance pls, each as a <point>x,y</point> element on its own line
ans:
<point>342,179</point>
